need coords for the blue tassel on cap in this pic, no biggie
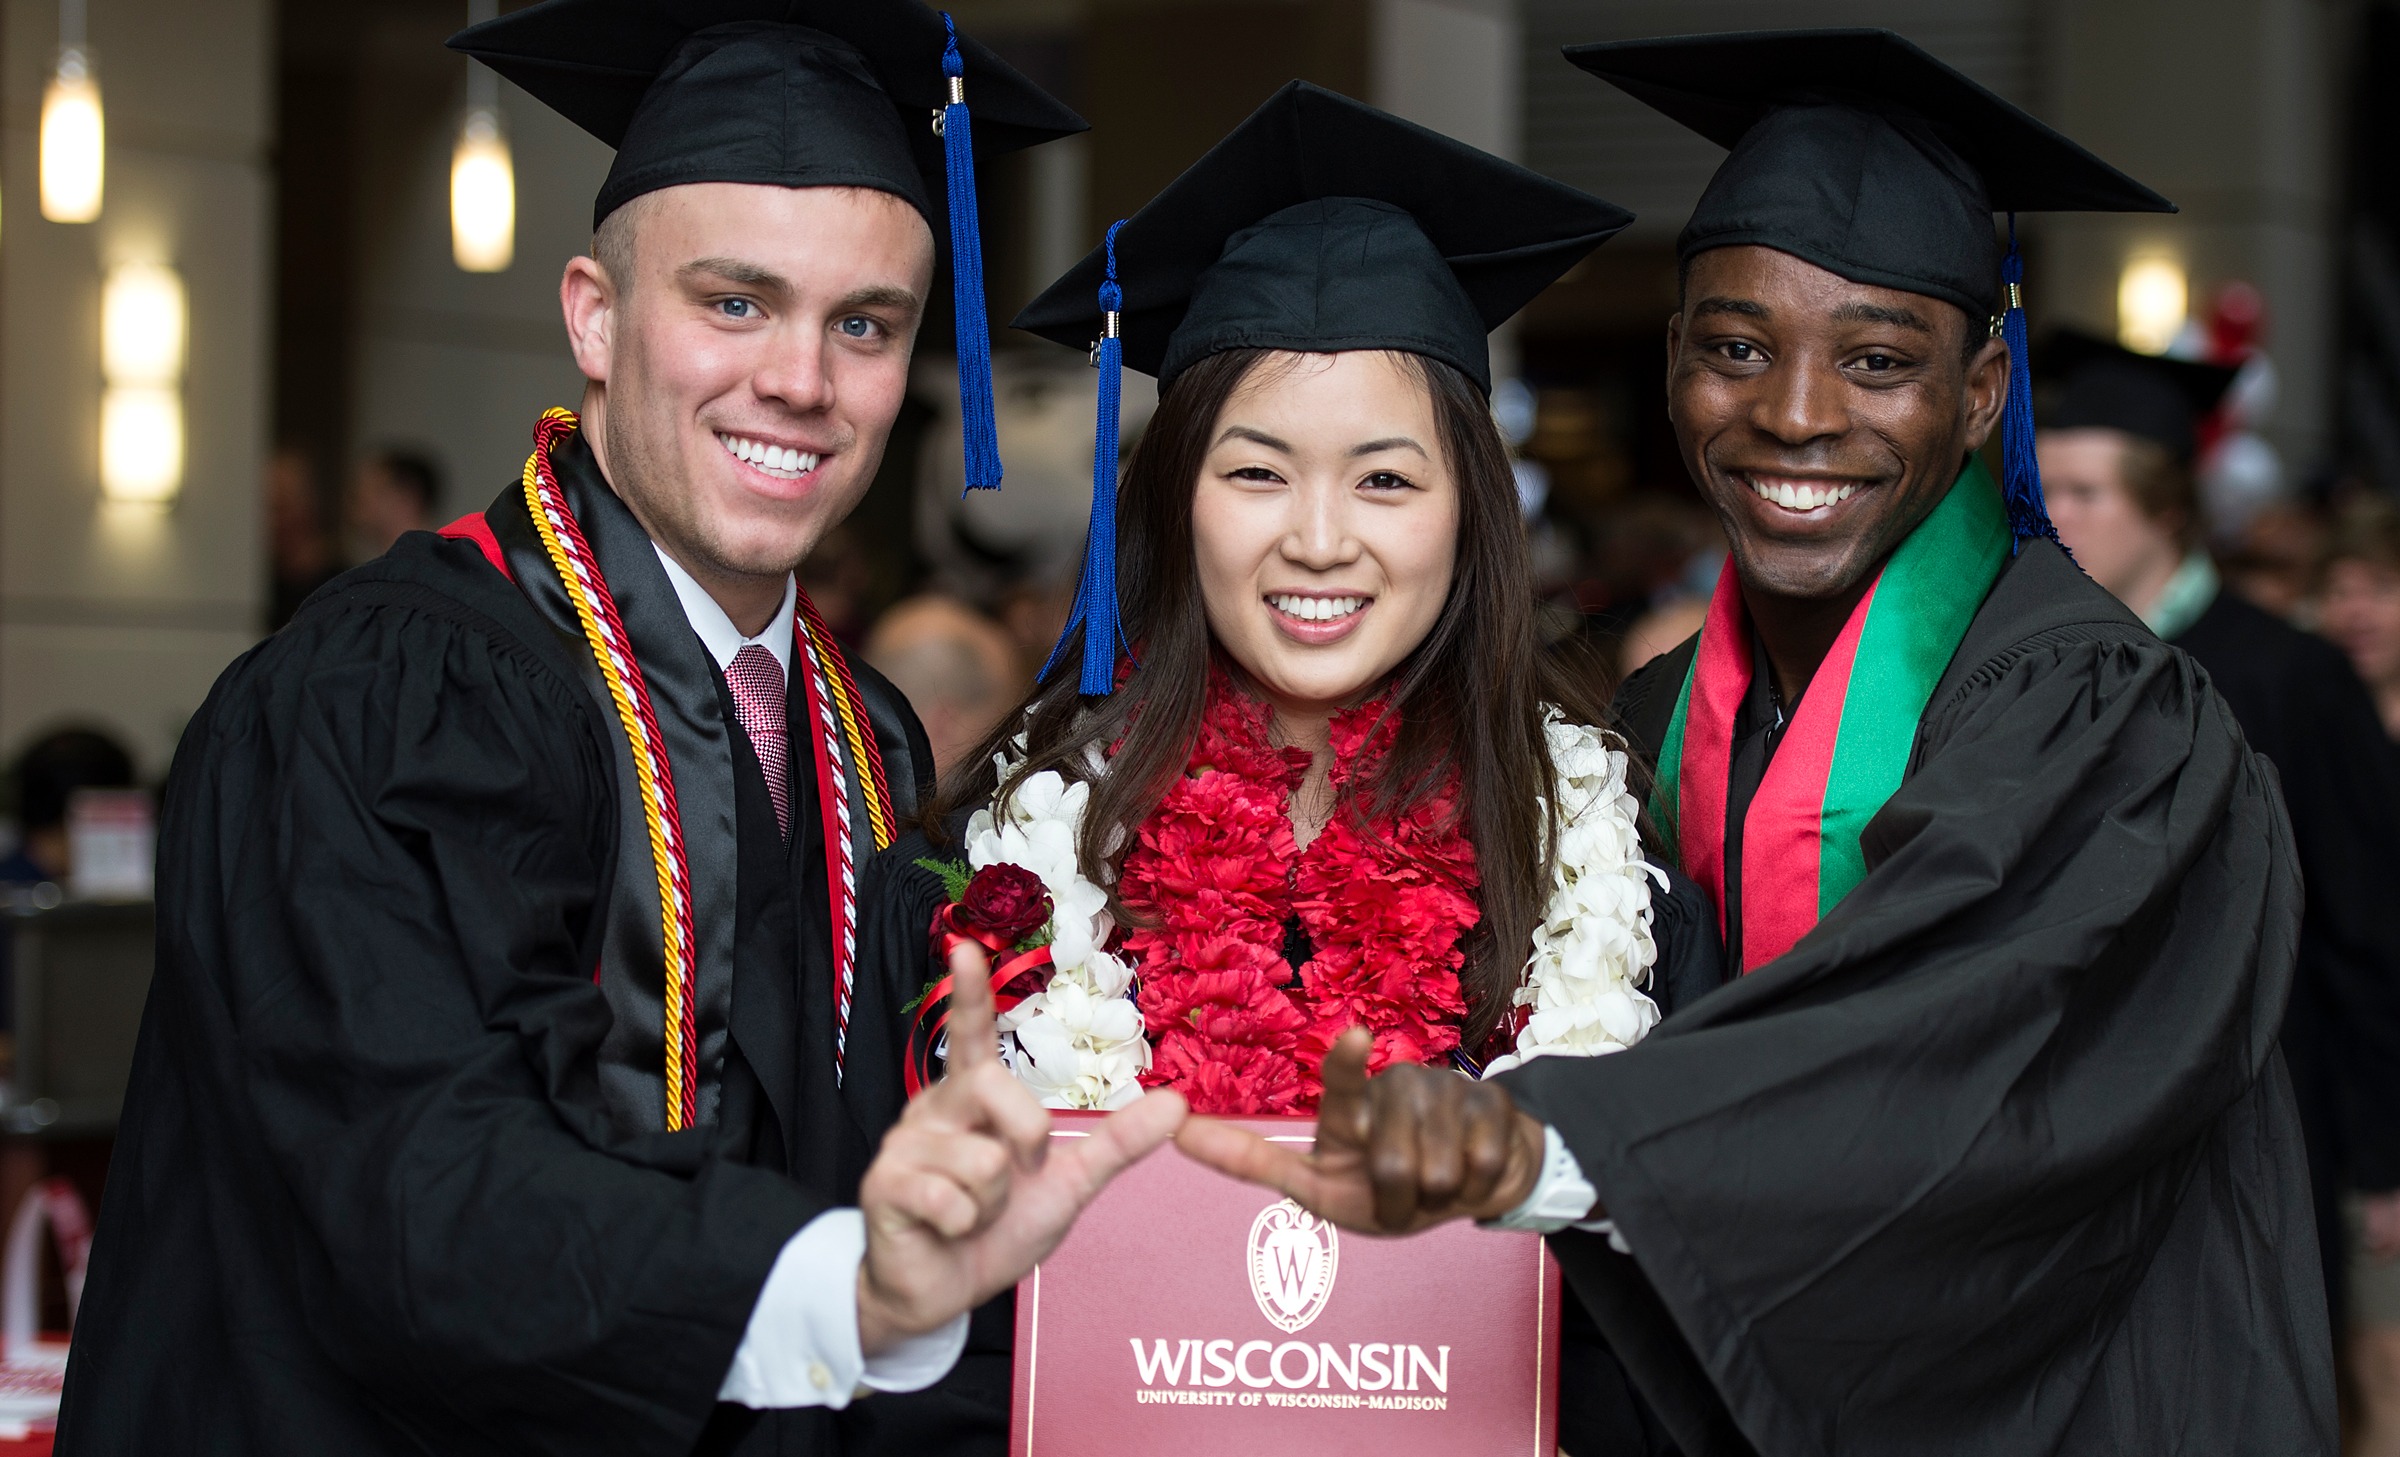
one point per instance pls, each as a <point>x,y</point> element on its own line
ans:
<point>966,276</point>
<point>1096,594</point>
<point>2020,473</point>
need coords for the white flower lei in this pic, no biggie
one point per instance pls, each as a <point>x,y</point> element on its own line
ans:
<point>1079,1043</point>
<point>1592,952</point>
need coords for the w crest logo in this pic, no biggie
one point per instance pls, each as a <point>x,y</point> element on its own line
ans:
<point>1292,1259</point>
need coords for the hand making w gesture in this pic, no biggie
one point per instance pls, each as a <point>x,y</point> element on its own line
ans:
<point>1395,1153</point>
<point>966,1194</point>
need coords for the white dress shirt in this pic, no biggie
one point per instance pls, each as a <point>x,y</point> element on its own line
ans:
<point>1562,1198</point>
<point>801,1346</point>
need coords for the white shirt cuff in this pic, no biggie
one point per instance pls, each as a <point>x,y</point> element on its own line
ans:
<point>1561,1198</point>
<point>801,1346</point>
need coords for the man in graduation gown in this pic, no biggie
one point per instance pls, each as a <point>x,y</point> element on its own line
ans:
<point>505,1081</point>
<point>2117,444</point>
<point>1991,1149</point>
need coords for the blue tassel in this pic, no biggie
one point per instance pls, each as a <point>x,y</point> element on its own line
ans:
<point>2020,473</point>
<point>1096,594</point>
<point>966,277</point>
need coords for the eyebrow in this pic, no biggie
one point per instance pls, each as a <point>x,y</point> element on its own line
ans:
<point>734,270</point>
<point>882,296</point>
<point>1746,308</point>
<point>1255,437</point>
<point>1866,313</point>
<point>1395,442</point>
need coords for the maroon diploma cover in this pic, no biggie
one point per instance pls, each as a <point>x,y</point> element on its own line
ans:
<point>1191,1315</point>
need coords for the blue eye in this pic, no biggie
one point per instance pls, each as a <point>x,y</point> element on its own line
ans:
<point>857,326</point>
<point>737,308</point>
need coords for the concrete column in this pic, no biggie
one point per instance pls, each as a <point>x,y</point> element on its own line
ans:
<point>1456,66</point>
<point>113,614</point>
<point>2229,107</point>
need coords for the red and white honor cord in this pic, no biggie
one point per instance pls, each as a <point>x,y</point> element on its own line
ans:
<point>835,706</point>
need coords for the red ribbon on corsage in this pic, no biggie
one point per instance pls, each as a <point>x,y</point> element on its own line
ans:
<point>1016,975</point>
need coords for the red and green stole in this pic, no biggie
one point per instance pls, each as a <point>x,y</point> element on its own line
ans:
<point>1846,746</point>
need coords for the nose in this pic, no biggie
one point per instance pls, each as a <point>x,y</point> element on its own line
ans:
<point>1801,402</point>
<point>794,369</point>
<point>1318,534</point>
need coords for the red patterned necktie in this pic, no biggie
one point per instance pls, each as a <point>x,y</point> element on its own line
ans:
<point>759,698</point>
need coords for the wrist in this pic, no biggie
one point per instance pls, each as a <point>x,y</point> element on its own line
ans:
<point>879,1328</point>
<point>1525,1156</point>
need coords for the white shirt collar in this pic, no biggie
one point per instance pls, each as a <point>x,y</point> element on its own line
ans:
<point>717,631</point>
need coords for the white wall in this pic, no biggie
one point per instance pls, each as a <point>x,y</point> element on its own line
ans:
<point>120,615</point>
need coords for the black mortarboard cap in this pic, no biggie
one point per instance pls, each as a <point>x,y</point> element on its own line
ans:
<point>1321,224</point>
<point>1856,151</point>
<point>790,93</point>
<point>2103,385</point>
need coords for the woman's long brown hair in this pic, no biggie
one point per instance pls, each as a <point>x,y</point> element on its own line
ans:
<point>1470,695</point>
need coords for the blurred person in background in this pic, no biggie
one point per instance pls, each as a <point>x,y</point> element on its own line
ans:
<point>393,493</point>
<point>49,772</point>
<point>2361,604</point>
<point>2361,613</point>
<point>2273,561</point>
<point>300,551</point>
<point>2116,454</point>
<point>959,669</point>
<point>1659,631</point>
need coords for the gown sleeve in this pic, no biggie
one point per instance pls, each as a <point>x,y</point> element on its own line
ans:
<point>365,1120</point>
<point>2005,1140</point>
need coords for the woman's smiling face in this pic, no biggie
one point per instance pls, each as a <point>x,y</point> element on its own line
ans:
<point>1325,525</point>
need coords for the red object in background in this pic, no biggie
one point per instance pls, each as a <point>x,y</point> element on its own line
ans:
<point>1190,1315</point>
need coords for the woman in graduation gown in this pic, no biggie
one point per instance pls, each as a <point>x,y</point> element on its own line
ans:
<point>1335,782</point>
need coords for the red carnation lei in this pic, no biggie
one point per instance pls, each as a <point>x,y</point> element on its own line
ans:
<point>1214,874</point>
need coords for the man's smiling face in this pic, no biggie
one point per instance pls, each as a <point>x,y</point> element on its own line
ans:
<point>1823,419</point>
<point>748,349</point>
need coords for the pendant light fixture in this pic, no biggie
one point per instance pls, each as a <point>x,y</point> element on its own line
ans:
<point>483,178</point>
<point>73,151</point>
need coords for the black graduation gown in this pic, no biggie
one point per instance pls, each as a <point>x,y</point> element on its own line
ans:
<point>2301,705</point>
<point>368,1195</point>
<point>2001,1157</point>
<point>966,1415</point>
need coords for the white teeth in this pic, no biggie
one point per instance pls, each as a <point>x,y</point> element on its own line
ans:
<point>1315,609</point>
<point>1802,497</point>
<point>774,459</point>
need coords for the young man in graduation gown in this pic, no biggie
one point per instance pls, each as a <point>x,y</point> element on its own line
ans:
<point>2116,447</point>
<point>1991,1149</point>
<point>505,1080</point>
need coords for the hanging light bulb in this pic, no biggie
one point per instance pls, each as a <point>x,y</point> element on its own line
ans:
<point>483,179</point>
<point>483,195</point>
<point>73,151</point>
<point>144,325</point>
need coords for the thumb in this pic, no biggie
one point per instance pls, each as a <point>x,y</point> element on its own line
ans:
<point>1342,1111</point>
<point>1121,1140</point>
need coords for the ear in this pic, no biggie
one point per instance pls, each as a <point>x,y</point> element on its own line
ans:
<point>1674,346</point>
<point>588,299</point>
<point>1986,392</point>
